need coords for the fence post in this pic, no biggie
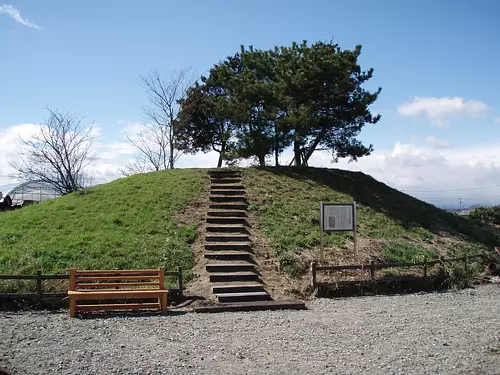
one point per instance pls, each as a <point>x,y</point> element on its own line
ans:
<point>39,284</point>
<point>425,267</point>
<point>313,276</point>
<point>179,279</point>
<point>372,270</point>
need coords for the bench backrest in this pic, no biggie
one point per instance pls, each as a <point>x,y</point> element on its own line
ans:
<point>116,279</point>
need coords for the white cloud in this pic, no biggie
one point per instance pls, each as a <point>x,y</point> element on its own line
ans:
<point>408,167</point>
<point>440,110</point>
<point>15,14</point>
<point>437,143</point>
<point>415,169</point>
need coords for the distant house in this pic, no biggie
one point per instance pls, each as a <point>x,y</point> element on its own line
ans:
<point>464,213</point>
<point>461,213</point>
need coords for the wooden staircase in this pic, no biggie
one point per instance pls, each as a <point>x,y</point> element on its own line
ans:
<point>228,247</point>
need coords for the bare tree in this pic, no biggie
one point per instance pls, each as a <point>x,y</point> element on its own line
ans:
<point>57,153</point>
<point>156,143</point>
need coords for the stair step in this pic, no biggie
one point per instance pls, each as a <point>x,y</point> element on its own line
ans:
<point>230,267</point>
<point>228,255</point>
<point>225,181</point>
<point>227,198</point>
<point>233,276</point>
<point>224,172</point>
<point>226,228</point>
<point>226,220</point>
<point>252,306</point>
<point>227,187</point>
<point>237,288</point>
<point>227,192</point>
<point>225,237</point>
<point>215,246</point>
<point>227,206</point>
<point>226,213</point>
<point>243,297</point>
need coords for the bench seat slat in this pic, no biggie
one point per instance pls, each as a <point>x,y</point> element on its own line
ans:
<point>117,294</point>
<point>113,285</point>
<point>119,306</point>
<point>113,278</point>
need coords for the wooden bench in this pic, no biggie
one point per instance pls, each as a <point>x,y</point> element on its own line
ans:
<point>118,285</point>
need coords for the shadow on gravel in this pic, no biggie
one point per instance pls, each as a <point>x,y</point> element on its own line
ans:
<point>358,288</point>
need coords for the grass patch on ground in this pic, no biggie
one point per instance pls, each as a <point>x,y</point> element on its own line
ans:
<point>126,224</point>
<point>286,201</point>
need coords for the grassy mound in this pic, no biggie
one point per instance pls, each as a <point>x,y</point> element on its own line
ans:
<point>128,223</point>
<point>391,225</point>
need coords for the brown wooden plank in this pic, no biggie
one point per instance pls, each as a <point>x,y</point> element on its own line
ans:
<point>119,306</point>
<point>161,280</point>
<point>115,278</point>
<point>117,294</point>
<point>117,271</point>
<point>114,285</point>
<point>72,279</point>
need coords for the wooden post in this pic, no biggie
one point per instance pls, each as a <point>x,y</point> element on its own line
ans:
<point>162,301</point>
<point>425,267</point>
<point>372,270</point>
<point>72,278</point>
<point>179,279</point>
<point>322,251</point>
<point>161,278</point>
<point>72,286</point>
<point>313,276</point>
<point>355,231</point>
<point>39,285</point>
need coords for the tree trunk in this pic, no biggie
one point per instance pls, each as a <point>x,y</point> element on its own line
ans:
<point>221,154</point>
<point>276,146</point>
<point>296,149</point>
<point>315,144</point>
<point>262,160</point>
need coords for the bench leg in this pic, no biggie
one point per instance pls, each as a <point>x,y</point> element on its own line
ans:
<point>163,303</point>
<point>72,307</point>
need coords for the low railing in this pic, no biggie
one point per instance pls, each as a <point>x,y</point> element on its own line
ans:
<point>39,277</point>
<point>372,267</point>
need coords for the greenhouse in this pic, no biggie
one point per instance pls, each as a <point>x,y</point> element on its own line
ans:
<point>25,193</point>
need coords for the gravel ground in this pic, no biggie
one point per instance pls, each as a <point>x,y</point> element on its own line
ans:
<point>447,333</point>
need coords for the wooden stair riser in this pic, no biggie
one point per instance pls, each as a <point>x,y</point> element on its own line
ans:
<point>226,255</point>
<point>237,288</point>
<point>215,246</point>
<point>227,238</point>
<point>228,213</point>
<point>228,206</point>
<point>228,198</point>
<point>243,297</point>
<point>230,267</point>
<point>230,277</point>
<point>225,181</point>
<point>227,187</point>
<point>217,228</point>
<point>227,220</point>
<point>224,192</point>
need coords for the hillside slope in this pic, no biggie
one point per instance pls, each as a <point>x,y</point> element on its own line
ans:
<point>128,223</point>
<point>392,226</point>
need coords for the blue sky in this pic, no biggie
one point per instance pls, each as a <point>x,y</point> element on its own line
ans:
<point>86,56</point>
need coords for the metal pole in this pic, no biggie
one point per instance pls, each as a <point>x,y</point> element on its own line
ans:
<point>322,253</point>
<point>354,229</point>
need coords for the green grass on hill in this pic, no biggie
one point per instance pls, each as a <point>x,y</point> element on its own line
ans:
<point>286,200</point>
<point>126,224</point>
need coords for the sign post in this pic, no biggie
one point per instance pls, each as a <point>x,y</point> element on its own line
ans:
<point>337,217</point>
